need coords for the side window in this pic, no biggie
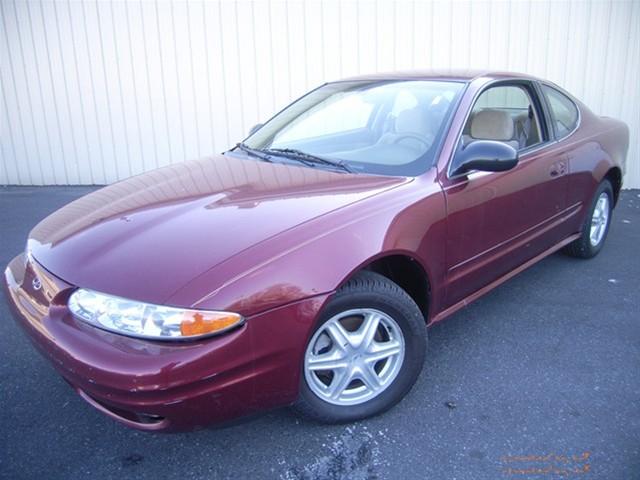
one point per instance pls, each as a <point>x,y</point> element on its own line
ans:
<point>504,113</point>
<point>564,111</point>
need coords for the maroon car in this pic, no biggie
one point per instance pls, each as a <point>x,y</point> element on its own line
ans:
<point>302,266</point>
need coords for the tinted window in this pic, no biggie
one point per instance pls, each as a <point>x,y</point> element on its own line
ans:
<point>563,110</point>
<point>504,113</point>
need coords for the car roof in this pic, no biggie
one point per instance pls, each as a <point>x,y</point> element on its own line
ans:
<point>446,74</point>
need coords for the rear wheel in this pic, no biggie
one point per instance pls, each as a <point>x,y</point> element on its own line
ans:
<point>596,226</point>
<point>365,354</point>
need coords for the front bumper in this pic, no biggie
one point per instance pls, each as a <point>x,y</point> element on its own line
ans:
<point>163,386</point>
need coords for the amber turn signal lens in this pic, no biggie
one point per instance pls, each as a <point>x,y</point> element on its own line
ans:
<point>202,323</point>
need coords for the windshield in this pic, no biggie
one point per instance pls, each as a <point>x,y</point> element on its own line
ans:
<point>386,127</point>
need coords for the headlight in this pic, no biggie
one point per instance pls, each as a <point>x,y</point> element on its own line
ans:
<point>144,320</point>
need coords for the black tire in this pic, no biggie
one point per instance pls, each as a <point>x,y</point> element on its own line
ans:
<point>582,247</point>
<point>371,290</point>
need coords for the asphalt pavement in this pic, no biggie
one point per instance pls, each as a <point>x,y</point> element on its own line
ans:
<point>538,379</point>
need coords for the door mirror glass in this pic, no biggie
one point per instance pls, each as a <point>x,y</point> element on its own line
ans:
<point>485,156</point>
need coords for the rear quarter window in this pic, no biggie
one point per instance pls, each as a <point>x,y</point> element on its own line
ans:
<point>564,112</point>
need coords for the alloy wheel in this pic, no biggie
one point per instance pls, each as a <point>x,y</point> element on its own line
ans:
<point>599,219</point>
<point>354,356</point>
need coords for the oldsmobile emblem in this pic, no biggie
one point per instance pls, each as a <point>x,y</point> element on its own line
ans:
<point>36,283</point>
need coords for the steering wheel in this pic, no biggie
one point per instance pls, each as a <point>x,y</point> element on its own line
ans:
<point>426,141</point>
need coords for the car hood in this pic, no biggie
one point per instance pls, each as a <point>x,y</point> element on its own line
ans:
<point>147,236</point>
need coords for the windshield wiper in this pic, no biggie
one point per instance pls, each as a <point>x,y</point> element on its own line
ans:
<point>254,152</point>
<point>307,158</point>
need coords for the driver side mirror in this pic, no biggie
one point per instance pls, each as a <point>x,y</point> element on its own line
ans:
<point>255,128</point>
<point>485,156</point>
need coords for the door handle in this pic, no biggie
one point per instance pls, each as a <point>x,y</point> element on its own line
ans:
<point>558,169</point>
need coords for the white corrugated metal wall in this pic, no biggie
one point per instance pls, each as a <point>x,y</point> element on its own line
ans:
<point>93,92</point>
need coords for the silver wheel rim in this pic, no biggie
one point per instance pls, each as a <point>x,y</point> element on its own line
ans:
<point>599,220</point>
<point>354,356</point>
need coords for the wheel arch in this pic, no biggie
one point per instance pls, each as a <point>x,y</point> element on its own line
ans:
<point>406,271</point>
<point>614,175</point>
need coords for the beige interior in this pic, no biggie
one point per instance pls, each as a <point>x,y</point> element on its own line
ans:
<point>492,125</point>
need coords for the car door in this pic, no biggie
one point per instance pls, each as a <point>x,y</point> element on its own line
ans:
<point>498,220</point>
<point>564,118</point>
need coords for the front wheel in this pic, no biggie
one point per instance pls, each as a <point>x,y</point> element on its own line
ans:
<point>596,226</point>
<point>365,354</point>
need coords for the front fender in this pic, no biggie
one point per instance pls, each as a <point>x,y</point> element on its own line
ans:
<point>316,258</point>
